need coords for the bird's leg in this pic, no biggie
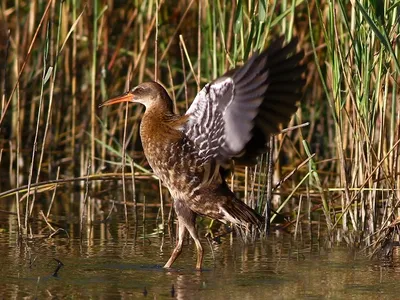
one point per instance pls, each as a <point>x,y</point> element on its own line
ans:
<point>186,220</point>
<point>178,248</point>
<point>193,232</point>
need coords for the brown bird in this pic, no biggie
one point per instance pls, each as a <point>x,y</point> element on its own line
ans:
<point>230,118</point>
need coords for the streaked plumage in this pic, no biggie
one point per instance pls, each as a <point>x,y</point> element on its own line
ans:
<point>231,118</point>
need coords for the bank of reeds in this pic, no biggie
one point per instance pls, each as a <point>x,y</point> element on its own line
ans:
<point>66,57</point>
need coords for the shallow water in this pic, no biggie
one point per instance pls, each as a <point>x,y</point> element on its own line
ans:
<point>119,263</point>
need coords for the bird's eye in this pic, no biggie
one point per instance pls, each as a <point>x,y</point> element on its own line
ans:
<point>137,90</point>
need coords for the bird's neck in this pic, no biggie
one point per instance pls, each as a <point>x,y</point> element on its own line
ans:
<point>161,124</point>
<point>158,114</point>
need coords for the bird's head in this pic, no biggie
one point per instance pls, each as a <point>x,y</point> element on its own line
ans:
<point>148,93</point>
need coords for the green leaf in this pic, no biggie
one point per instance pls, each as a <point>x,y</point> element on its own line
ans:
<point>378,8</point>
<point>262,10</point>
<point>238,17</point>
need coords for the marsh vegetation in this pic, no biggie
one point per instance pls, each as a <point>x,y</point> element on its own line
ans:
<point>61,158</point>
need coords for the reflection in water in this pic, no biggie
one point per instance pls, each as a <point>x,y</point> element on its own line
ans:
<point>59,266</point>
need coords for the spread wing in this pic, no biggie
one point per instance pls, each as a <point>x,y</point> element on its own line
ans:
<point>234,115</point>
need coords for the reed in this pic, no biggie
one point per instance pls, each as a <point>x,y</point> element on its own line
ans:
<point>66,57</point>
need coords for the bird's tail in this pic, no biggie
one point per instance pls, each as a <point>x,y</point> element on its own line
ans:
<point>238,213</point>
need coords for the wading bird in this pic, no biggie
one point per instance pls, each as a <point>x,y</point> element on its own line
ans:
<point>232,117</point>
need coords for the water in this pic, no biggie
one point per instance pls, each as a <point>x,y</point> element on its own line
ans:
<point>116,262</point>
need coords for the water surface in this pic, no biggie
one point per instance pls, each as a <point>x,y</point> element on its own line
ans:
<point>117,262</point>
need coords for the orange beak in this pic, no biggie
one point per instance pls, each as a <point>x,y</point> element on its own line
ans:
<point>127,97</point>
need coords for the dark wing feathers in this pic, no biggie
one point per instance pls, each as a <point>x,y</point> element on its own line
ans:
<point>281,55</point>
<point>233,116</point>
<point>240,73</point>
<point>277,45</point>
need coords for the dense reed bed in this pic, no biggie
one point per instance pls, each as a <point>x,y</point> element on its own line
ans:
<point>337,164</point>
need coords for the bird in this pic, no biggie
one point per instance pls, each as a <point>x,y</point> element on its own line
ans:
<point>230,119</point>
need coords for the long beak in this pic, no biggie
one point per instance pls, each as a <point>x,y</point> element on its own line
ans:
<point>127,97</point>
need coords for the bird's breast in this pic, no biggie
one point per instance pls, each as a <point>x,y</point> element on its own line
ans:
<point>179,166</point>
